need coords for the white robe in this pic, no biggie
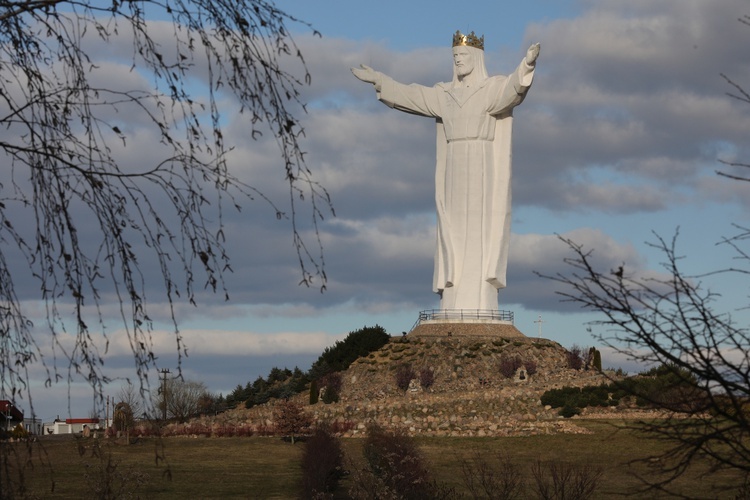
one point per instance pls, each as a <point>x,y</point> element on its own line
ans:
<point>472,180</point>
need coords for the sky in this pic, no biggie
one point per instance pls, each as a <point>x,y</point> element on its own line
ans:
<point>618,140</point>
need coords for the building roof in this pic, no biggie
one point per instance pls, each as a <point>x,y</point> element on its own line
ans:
<point>81,420</point>
<point>8,411</point>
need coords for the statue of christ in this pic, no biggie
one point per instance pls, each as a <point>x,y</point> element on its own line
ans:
<point>474,114</point>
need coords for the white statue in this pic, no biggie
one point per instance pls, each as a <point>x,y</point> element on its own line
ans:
<point>472,180</point>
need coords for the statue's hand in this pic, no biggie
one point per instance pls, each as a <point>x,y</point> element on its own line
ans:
<point>532,54</point>
<point>367,74</point>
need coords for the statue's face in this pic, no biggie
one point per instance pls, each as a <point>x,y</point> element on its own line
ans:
<point>463,61</point>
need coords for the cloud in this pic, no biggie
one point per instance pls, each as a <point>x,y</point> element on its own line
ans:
<point>623,126</point>
<point>234,343</point>
<point>536,255</point>
<point>607,128</point>
<point>621,90</point>
<point>627,89</point>
<point>627,117</point>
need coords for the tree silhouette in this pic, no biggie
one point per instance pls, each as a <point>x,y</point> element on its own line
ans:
<point>82,223</point>
<point>672,322</point>
<point>182,399</point>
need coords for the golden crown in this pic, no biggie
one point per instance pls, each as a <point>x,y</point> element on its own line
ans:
<point>469,40</point>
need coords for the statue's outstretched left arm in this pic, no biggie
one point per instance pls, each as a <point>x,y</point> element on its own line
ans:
<point>525,72</point>
<point>517,83</point>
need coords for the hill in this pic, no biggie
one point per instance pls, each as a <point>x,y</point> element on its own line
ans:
<point>480,386</point>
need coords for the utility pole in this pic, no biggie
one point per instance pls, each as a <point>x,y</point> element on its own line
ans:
<point>164,373</point>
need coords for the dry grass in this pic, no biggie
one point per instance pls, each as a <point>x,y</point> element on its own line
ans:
<point>193,467</point>
<point>609,448</point>
<point>260,467</point>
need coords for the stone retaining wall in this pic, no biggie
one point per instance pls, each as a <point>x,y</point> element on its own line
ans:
<point>469,396</point>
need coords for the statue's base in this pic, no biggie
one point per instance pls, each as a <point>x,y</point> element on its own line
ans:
<point>491,323</point>
<point>456,328</point>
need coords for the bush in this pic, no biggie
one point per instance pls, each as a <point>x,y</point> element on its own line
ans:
<point>332,384</point>
<point>314,392</point>
<point>322,464</point>
<point>106,477</point>
<point>587,356</point>
<point>597,363</point>
<point>278,375</point>
<point>197,429</point>
<point>670,387</point>
<point>557,398</point>
<point>744,490</point>
<point>393,457</point>
<point>19,432</point>
<point>343,353</point>
<point>661,387</point>
<point>290,419</point>
<point>509,366</point>
<point>563,481</point>
<point>341,426</point>
<point>486,480</point>
<point>531,366</point>
<point>426,378</point>
<point>404,375</point>
<point>582,397</point>
<point>569,411</point>
<point>122,419</point>
<point>575,357</point>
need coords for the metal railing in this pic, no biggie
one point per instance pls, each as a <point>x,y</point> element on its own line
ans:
<point>463,315</point>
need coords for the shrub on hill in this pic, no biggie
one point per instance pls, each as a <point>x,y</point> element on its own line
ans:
<point>531,366</point>
<point>509,365</point>
<point>404,375</point>
<point>314,392</point>
<point>575,357</point>
<point>343,353</point>
<point>280,384</point>
<point>656,387</point>
<point>426,378</point>
<point>331,385</point>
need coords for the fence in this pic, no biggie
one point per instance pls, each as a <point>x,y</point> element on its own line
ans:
<point>467,315</point>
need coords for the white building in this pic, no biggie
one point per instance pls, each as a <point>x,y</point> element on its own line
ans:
<point>71,425</point>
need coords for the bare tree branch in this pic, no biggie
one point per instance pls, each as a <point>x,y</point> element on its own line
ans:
<point>65,183</point>
<point>671,322</point>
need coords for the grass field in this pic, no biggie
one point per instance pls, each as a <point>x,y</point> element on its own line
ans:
<point>262,467</point>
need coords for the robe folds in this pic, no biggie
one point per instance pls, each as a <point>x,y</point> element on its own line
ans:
<point>472,180</point>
